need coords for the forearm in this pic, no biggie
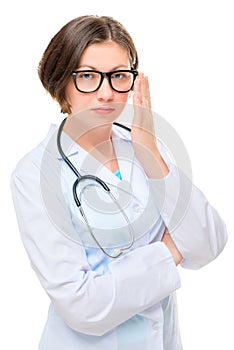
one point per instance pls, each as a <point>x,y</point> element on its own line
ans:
<point>194,225</point>
<point>152,162</point>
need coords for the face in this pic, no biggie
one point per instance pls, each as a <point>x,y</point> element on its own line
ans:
<point>105,102</point>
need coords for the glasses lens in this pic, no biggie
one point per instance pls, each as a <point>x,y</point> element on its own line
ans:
<point>122,81</point>
<point>87,81</point>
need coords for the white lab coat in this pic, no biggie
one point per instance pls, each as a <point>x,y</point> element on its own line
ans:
<point>98,302</point>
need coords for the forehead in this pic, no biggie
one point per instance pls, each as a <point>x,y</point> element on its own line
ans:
<point>104,54</point>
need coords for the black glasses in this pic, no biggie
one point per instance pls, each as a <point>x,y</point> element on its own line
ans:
<point>90,80</point>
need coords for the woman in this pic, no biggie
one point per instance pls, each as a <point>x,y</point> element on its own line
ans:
<point>108,260</point>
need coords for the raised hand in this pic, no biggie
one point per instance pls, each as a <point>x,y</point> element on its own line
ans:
<point>143,134</point>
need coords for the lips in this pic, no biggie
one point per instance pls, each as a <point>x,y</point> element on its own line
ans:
<point>103,110</point>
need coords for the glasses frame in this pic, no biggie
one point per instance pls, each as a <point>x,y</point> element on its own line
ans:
<point>103,75</point>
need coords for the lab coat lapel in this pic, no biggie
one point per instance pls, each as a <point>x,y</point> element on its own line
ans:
<point>130,168</point>
<point>125,156</point>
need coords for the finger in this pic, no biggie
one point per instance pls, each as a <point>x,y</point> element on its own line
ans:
<point>145,93</point>
<point>141,92</point>
<point>137,95</point>
<point>141,99</point>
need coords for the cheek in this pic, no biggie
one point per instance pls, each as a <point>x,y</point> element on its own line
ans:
<point>120,102</point>
<point>123,98</point>
<point>76,99</point>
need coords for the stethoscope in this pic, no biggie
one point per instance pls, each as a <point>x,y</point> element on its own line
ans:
<point>118,251</point>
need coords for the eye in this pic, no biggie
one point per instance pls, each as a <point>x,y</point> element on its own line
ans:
<point>119,75</point>
<point>85,75</point>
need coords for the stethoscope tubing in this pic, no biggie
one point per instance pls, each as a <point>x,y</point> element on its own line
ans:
<point>80,178</point>
<point>74,169</point>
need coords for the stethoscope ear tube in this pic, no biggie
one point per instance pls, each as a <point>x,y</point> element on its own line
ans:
<point>63,155</point>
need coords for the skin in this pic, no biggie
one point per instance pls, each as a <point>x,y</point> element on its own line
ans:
<point>90,122</point>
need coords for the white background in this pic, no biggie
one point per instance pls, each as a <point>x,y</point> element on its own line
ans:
<point>186,48</point>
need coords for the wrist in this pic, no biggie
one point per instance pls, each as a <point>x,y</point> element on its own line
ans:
<point>151,160</point>
<point>155,166</point>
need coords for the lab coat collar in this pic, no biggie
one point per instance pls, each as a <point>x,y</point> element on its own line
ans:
<point>87,164</point>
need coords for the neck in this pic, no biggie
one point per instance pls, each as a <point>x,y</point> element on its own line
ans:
<point>87,133</point>
<point>96,140</point>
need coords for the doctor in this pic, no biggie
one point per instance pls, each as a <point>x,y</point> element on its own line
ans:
<point>109,261</point>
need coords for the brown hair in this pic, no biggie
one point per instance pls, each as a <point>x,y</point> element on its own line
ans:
<point>64,51</point>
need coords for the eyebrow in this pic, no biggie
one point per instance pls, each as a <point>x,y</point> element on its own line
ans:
<point>93,68</point>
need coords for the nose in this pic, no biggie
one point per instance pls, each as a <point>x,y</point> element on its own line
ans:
<point>105,92</point>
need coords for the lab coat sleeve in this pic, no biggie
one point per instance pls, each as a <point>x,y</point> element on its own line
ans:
<point>195,226</point>
<point>88,302</point>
